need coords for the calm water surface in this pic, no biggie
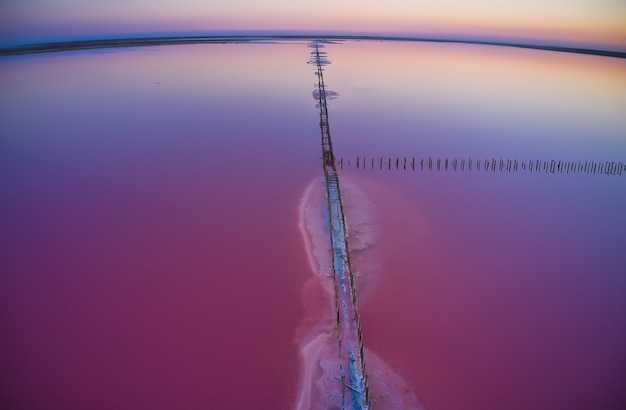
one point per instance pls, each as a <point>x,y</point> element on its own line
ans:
<point>151,254</point>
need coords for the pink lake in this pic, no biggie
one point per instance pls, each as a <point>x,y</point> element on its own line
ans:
<point>152,257</point>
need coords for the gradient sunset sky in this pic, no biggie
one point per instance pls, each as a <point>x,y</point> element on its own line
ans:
<point>588,23</point>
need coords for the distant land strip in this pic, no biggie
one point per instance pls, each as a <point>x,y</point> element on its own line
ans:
<point>59,46</point>
<point>491,165</point>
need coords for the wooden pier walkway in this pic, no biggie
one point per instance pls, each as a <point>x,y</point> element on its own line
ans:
<point>355,391</point>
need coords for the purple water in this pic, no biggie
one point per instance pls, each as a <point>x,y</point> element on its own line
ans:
<point>152,254</point>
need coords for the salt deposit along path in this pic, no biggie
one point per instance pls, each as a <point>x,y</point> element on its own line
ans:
<point>355,391</point>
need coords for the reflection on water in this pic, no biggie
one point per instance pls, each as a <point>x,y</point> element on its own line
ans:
<point>150,252</point>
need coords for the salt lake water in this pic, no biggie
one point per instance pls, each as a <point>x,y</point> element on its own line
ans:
<point>154,252</point>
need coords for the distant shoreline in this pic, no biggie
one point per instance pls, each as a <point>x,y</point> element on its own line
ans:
<point>60,46</point>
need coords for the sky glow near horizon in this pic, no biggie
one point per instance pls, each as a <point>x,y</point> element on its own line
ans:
<point>595,23</point>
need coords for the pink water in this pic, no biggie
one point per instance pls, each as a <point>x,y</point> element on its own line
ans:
<point>145,286</point>
<point>503,302</point>
<point>151,253</point>
<point>148,260</point>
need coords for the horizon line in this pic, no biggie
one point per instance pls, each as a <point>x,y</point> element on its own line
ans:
<point>140,40</point>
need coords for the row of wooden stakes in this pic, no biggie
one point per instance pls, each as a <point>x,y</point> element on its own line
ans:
<point>483,165</point>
